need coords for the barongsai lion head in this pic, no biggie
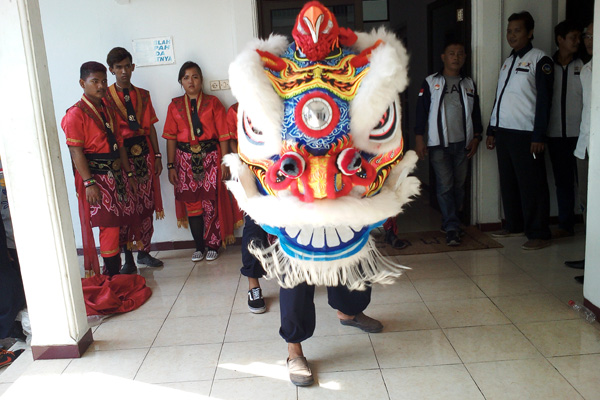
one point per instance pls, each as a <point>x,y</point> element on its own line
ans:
<point>321,160</point>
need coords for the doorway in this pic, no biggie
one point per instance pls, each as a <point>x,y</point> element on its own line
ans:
<point>449,19</point>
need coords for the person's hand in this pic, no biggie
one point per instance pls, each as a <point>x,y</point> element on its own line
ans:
<point>225,174</point>
<point>420,147</point>
<point>93,195</point>
<point>537,147</point>
<point>158,166</point>
<point>490,142</point>
<point>173,176</point>
<point>472,147</point>
<point>133,185</point>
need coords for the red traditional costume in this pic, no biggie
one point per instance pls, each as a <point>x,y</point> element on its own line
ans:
<point>141,159</point>
<point>200,190</point>
<point>87,126</point>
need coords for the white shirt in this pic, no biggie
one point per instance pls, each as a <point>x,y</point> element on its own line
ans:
<point>584,130</point>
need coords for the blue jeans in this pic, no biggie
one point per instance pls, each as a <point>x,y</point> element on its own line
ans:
<point>450,168</point>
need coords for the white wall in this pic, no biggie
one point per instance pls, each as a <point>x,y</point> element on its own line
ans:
<point>208,32</point>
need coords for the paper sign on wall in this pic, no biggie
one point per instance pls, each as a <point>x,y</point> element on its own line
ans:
<point>153,51</point>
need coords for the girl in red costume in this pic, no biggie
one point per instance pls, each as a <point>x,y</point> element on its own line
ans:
<point>197,138</point>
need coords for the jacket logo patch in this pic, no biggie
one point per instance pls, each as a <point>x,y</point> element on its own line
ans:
<point>437,86</point>
<point>421,92</point>
<point>547,69</point>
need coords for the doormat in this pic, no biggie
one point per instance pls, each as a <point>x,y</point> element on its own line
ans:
<point>435,242</point>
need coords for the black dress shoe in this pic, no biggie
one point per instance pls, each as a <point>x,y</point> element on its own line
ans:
<point>147,259</point>
<point>580,264</point>
<point>579,278</point>
<point>128,269</point>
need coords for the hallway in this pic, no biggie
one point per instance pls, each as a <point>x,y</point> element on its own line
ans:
<point>489,324</point>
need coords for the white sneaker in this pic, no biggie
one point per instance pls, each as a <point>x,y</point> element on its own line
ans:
<point>212,255</point>
<point>198,256</point>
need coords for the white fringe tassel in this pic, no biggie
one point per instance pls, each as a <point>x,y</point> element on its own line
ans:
<point>363,269</point>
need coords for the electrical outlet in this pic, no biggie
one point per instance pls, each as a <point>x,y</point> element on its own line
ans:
<point>224,84</point>
<point>215,85</point>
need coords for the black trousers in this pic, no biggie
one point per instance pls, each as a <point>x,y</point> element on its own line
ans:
<point>523,185</point>
<point>12,294</point>
<point>564,167</point>
<point>251,267</point>
<point>298,318</point>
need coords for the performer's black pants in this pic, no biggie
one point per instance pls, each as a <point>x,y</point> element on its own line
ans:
<point>523,185</point>
<point>298,309</point>
<point>251,267</point>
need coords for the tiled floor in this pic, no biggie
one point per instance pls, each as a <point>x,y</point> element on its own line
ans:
<point>489,324</point>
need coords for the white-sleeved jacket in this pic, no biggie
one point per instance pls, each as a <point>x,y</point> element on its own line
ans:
<point>524,93</point>
<point>431,115</point>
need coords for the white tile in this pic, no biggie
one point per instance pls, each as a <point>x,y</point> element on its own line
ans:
<point>403,316</point>
<point>192,330</point>
<point>466,312</point>
<point>262,358</point>
<point>363,384</point>
<point>581,372</point>
<point>435,382</point>
<point>156,307</point>
<point>119,363</point>
<point>179,364</point>
<point>115,334</point>
<point>434,270</point>
<point>562,338</point>
<point>402,291</point>
<point>491,343</point>
<point>340,353</point>
<point>200,388</point>
<point>248,327</point>
<point>533,379</point>
<point>253,388</point>
<point>198,303</point>
<point>508,285</point>
<point>533,308</point>
<point>447,289</point>
<point>412,349</point>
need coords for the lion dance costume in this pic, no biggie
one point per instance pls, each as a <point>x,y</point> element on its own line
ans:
<point>321,161</point>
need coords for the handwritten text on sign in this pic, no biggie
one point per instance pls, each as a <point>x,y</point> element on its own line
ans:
<point>153,51</point>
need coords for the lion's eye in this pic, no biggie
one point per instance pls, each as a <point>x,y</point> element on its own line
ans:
<point>386,127</point>
<point>349,161</point>
<point>254,135</point>
<point>292,165</point>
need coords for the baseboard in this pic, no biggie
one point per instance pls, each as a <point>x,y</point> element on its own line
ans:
<point>66,351</point>
<point>490,226</point>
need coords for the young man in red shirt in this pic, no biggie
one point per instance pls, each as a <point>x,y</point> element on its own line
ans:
<point>102,172</point>
<point>136,118</point>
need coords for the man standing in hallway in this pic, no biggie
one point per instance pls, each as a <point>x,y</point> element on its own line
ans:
<point>448,112</point>
<point>136,118</point>
<point>565,118</point>
<point>518,129</point>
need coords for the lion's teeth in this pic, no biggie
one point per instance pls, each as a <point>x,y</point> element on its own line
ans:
<point>345,233</point>
<point>318,239</point>
<point>331,237</point>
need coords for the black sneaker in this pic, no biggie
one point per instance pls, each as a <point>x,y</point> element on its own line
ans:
<point>256,302</point>
<point>452,238</point>
<point>146,259</point>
